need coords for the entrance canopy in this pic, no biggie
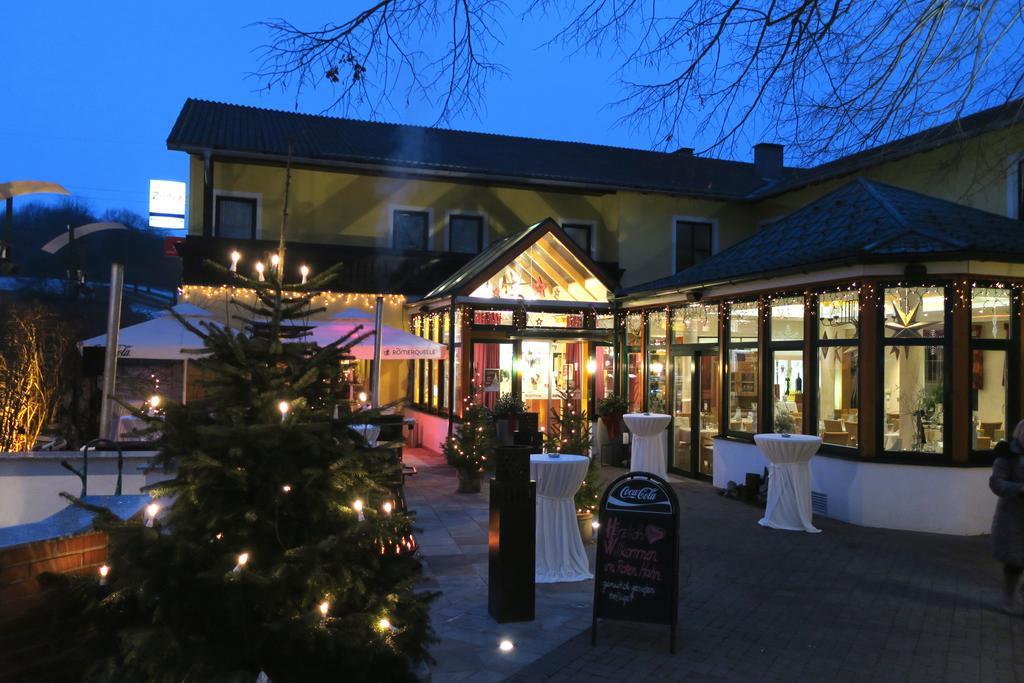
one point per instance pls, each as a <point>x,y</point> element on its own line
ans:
<point>540,264</point>
<point>162,338</point>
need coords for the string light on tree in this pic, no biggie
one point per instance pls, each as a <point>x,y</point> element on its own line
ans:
<point>235,258</point>
<point>286,488</point>
<point>324,607</point>
<point>151,512</point>
<point>275,261</point>
<point>387,507</point>
<point>283,407</point>
<point>304,271</point>
<point>243,559</point>
<point>259,271</point>
<point>357,505</point>
<point>104,571</point>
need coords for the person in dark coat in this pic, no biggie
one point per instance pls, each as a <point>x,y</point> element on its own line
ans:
<point>1007,482</point>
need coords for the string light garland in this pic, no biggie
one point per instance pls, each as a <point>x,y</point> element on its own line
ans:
<point>243,559</point>
<point>320,299</point>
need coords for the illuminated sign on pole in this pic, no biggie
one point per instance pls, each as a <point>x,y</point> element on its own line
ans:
<point>167,204</point>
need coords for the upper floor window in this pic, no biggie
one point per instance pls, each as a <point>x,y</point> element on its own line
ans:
<point>410,229</point>
<point>580,233</point>
<point>465,233</point>
<point>236,217</point>
<point>693,243</point>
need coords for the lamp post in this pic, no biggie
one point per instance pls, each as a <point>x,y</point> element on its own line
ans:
<point>110,355</point>
<point>8,191</point>
<point>378,322</point>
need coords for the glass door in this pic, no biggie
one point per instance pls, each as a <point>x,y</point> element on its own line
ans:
<point>696,396</point>
<point>709,390</point>
<point>549,369</point>
<point>682,414</point>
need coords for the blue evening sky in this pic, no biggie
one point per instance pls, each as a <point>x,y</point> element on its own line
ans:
<point>91,89</point>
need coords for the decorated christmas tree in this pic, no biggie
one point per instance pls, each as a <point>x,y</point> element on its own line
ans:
<point>279,549</point>
<point>570,433</point>
<point>468,449</point>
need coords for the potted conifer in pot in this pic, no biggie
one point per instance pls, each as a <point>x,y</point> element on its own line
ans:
<point>468,450</point>
<point>507,411</point>
<point>570,433</point>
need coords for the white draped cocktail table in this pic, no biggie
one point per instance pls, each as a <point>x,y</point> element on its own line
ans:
<point>369,432</point>
<point>560,553</point>
<point>789,480</point>
<point>648,442</point>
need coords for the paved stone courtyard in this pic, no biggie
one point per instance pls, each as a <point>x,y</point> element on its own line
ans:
<point>850,604</point>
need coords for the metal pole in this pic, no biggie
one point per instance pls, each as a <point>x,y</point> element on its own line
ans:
<point>5,241</point>
<point>378,322</point>
<point>184,382</point>
<point>110,358</point>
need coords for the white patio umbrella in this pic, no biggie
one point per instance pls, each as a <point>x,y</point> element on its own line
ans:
<point>162,338</point>
<point>395,344</point>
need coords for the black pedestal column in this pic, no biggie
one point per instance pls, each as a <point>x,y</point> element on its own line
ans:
<point>512,537</point>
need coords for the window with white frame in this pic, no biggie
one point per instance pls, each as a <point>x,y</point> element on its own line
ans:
<point>410,229</point>
<point>465,233</point>
<point>235,217</point>
<point>580,233</point>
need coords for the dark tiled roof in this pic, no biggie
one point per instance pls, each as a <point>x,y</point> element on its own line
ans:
<point>862,221</point>
<point>957,130</point>
<point>239,130</point>
<point>366,269</point>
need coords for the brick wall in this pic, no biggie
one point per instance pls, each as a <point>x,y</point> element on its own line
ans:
<point>27,650</point>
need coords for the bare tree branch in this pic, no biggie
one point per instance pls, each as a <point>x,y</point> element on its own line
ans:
<point>827,76</point>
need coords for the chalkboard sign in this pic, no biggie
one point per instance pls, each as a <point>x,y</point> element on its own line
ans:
<point>637,572</point>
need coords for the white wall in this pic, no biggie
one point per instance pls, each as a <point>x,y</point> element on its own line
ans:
<point>31,483</point>
<point>944,500</point>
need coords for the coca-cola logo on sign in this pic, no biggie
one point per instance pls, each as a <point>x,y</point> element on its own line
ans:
<point>647,494</point>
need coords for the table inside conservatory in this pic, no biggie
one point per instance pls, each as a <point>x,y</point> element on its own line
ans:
<point>648,442</point>
<point>789,480</point>
<point>560,553</point>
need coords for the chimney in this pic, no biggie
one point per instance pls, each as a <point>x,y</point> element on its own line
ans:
<point>768,160</point>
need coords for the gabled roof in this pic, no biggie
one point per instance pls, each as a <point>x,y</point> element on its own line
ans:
<point>958,130</point>
<point>862,221</point>
<point>492,260</point>
<point>234,130</point>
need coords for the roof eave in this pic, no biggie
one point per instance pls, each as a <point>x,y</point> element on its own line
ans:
<point>808,268</point>
<point>433,172</point>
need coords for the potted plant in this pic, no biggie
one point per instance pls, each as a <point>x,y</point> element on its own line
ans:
<point>468,450</point>
<point>611,409</point>
<point>570,433</point>
<point>785,421</point>
<point>507,411</point>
